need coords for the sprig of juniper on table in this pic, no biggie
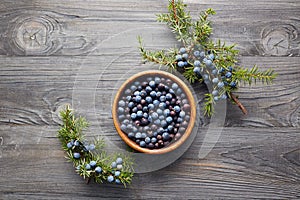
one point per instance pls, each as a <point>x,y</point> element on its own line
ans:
<point>89,159</point>
<point>201,59</point>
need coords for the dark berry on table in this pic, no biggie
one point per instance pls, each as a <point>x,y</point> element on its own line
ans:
<point>177,136</point>
<point>139,114</point>
<point>157,80</point>
<point>158,137</point>
<point>122,103</point>
<point>133,116</point>
<point>169,119</point>
<point>163,123</point>
<point>153,140</point>
<point>138,135</point>
<point>131,135</point>
<point>177,109</point>
<point>144,135</point>
<point>121,110</point>
<point>185,124</point>
<point>148,99</point>
<point>161,143</point>
<point>138,107</point>
<point>148,89</point>
<point>150,106</point>
<point>138,99</point>
<point>147,140</point>
<point>142,143</point>
<point>152,84</point>
<point>186,107</point>
<point>130,105</point>
<point>150,146</point>
<point>165,136</point>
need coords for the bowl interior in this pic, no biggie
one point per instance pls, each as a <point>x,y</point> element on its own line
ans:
<point>185,93</point>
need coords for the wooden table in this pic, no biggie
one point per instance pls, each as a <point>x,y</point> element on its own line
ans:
<point>78,52</point>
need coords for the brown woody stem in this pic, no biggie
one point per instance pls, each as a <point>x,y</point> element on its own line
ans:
<point>88,181</point>
<point>174,11</point>
<point>235,99</point>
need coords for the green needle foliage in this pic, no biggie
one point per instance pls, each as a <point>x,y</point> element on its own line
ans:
<point>194,36</point>
<point>83,154</point>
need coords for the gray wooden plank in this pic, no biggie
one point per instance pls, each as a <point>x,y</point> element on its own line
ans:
<point>77,27</point>
<point>261,163</point>
<point>32,89</point>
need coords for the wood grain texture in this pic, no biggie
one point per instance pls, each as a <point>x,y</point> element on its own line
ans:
<point>79,52</point>
<point>245,163</point>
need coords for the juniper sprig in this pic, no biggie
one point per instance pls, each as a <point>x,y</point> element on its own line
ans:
<point>89,159</point>
<point>201,59</point>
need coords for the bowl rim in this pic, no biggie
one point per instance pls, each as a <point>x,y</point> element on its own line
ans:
<point>173,145</point>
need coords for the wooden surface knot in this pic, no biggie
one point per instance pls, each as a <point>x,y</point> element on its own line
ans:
<point>35,35</point>
<point>277,39</point>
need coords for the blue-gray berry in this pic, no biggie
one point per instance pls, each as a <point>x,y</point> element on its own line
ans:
<point>215,80</point>
<point>119,160</point>
<point>119,167</point>
<point>93,163</point>
<point>98,169</point>
<point>197,63</point>
<point>110,178</point>
<point>180,64</point>
<point>197,70</point>
<point>113,164</point>
<point>76,143</point>
<point>76,155</point>
<point>87,166</point>
<point>182,50</point>
<point>117,173</point>
<point>69,145</point>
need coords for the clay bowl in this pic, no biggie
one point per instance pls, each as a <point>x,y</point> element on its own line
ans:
<point>136,130</point>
